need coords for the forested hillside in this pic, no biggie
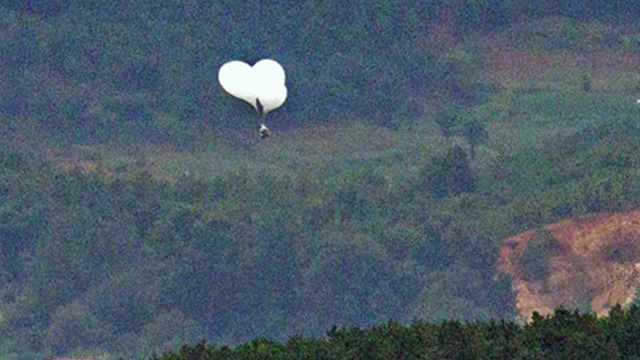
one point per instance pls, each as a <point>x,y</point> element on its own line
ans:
<point>139,210</point>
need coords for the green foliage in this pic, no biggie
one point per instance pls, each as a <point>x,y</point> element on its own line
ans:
<point>127,248</point>
<point>636,297</point>
<point>476,134</point>
<point>534,260</point>
<point>558,33</point>
<point>563,335</point>
<point>586,82</point>
<point>446,121</point>
<point>74,327</point>
<point>449,174</point>
<point>455,78</point>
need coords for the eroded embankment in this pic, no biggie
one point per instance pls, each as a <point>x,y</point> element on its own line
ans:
<point>593,260</point>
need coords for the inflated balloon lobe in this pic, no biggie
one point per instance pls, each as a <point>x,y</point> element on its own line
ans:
<point>263,82</point>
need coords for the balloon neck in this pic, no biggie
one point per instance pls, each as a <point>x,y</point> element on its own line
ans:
<point>259,106</point>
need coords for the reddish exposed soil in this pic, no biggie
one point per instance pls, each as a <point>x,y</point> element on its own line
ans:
<point>598,264</point>
<point>506,62</point>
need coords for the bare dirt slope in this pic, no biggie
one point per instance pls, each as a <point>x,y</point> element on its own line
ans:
<point>592,260</point>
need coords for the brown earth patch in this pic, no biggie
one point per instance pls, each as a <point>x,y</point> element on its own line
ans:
<point>599,264</point>
<point>506,62</point>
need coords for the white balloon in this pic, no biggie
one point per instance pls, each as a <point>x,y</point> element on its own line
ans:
<point>265,81</point>
<point>268,71</point>
<point>235,78</point>
<point>272,97</point>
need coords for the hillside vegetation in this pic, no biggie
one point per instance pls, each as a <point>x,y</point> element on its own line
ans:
<point>562,335</point>
<point>139,211</point>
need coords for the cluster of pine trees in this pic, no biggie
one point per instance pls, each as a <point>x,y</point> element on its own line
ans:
<point>564,335</point>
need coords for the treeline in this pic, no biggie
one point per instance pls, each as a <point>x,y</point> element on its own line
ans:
<point>564,335</point>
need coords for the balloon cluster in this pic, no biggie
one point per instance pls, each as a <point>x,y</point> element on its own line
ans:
<point>264,82</point>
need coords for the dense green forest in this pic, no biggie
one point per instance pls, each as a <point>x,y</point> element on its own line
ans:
<point>139,211</point>
<point>565,335</point>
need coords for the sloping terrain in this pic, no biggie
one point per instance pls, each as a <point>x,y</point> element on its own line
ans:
<point>592,260</point>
